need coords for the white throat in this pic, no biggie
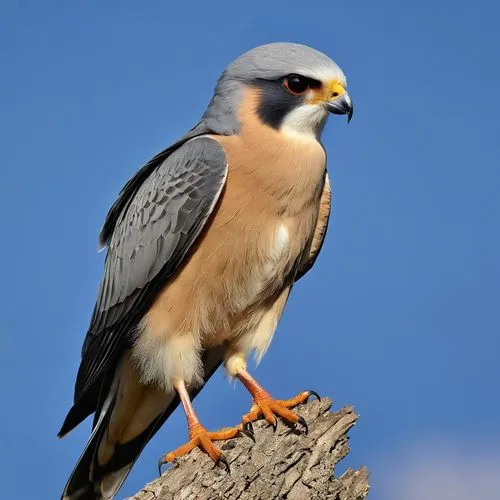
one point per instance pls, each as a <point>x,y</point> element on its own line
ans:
<point>305,122</point>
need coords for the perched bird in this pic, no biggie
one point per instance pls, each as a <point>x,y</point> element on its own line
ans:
<point>204,244</point>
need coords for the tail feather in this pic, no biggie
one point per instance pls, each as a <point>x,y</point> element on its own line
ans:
<point>126,422</point>
<point>130,416</point>
<point>92,481</point>
<point>79,485</point>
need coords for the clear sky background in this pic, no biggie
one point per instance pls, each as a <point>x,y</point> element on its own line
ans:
<point>400,316</point>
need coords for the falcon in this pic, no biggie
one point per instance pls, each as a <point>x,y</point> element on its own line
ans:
<point>204,245</point>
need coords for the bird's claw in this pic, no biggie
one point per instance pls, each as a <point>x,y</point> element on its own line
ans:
<point>313,394</point>
<point>248,433</point>
<point>161,463</point>
<point>223,460</point>
<point>303,422</point>
<point>270,409</point>
<point>248,426</point>
<point>199,437</point>
<point>275,424</point>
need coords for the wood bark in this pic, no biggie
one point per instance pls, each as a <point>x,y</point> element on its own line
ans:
<point>286,464</point>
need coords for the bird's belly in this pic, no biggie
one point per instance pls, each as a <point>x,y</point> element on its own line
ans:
<point>269,262</point>
<point>245,259</point>
<point>220,295</point>
<point>251,270</point>
<point>240,265</point>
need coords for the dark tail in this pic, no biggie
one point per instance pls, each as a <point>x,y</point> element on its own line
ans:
<point>127,420</point>
<point>120,434</point>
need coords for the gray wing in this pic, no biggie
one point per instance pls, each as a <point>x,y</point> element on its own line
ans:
<point>150,239</point>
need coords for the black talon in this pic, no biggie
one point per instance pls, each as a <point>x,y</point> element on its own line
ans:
<point>304,424</point>
<point>248,426</point>
<point>161,463</point>
<point>314,394</point>
<point>248,433</point>
<point>275,425</point>
<point>223,460</point>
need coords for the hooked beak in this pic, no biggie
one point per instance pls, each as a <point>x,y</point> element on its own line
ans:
<point>341,105</point>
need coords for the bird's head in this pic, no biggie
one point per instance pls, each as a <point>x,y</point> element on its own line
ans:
<point>296,88</point>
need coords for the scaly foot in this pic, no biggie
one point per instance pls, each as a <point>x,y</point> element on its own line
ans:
<point>264,405</point>
<point>199,437</point>
<point>268,407</point>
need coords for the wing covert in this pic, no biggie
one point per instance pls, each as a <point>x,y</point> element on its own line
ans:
<point>151,237</point>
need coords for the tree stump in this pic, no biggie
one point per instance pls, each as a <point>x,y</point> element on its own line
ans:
<point>286,464</point>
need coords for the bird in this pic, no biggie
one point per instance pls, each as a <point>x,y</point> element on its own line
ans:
<point>203,247</point>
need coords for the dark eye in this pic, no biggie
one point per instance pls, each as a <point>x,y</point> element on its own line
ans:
<point>296,84</point>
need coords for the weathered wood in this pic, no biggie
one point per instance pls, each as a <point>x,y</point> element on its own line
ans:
<point>282,465</point>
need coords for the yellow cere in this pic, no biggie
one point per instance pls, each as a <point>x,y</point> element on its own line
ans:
<point>328,92</point>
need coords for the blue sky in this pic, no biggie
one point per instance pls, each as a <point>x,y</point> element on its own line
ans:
<point>400,316</point>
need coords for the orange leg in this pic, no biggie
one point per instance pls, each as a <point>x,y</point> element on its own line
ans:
<point>268,407</point>
<point>199,437</point>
